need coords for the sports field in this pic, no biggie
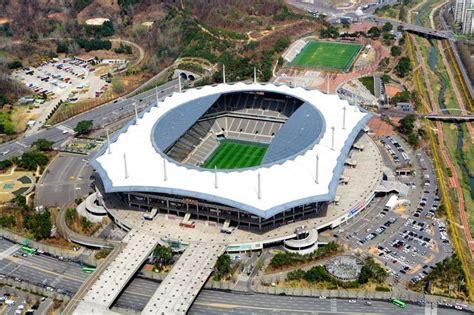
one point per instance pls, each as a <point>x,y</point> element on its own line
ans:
<point>327,55</point>
<point>234,154</point>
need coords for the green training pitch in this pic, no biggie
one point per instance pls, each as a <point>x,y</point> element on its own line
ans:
<point>234,154</point>
<point>327,55</point>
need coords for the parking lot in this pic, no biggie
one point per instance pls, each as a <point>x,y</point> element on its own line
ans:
<point>67,80</point>
<point>402,231</point>
<point>14,301</point>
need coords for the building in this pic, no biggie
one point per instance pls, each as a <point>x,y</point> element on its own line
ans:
<point>464,15</point>
<point>160,162</point>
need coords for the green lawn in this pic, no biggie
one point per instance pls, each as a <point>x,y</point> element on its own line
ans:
<point>234,154</point>
<point>327,55</point>
<point>368,82</point>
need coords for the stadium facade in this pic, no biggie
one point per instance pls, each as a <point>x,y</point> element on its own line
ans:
<point>159,161</point>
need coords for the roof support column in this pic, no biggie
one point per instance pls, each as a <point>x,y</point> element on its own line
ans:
<point>332,138</point>
<point>259,186</point>
<point>344,118</point>
<point>316,180</point>
<point>125,165</point>
<point>223,73</point>
<point>136,113</point>
<point>165,175</point>
<point>109,150</point>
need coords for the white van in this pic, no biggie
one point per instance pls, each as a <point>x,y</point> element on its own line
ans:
<point>10,302</point>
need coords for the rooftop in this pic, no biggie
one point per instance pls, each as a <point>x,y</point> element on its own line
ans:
<point>283,184</point>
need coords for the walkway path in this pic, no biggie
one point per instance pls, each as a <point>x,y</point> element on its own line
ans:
<point>181,286</point>
<point>109,283</point>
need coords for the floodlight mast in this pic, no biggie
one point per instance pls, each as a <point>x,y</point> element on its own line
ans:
<point>332,139</point>
<point>109,150</point>
<point>344,118</point>
<point>136,113</point>
<point>165,174</point>
<point>223,73</point>
<point>316,180</point>
<point>259,186</point>
<point>125,165</point>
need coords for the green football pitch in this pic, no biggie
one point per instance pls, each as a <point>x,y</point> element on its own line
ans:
<point>234,154</point>
<point>327,55</point>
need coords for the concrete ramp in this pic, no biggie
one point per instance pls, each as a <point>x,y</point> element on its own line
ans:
<point>108,285</point>
<point>181,286</point>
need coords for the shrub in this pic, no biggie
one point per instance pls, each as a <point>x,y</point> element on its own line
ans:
<point>32,159</point>
<point>15,64</point>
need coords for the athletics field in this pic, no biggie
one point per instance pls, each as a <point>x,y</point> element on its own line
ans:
<point>327,55</point>
<point>234,154</point>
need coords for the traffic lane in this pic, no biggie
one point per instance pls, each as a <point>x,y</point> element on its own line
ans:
<point>39,276</point>
<point>73,269</point>
<point>272,303</point>
<point>23,144</point>
<point>104,110</point>
<point>67,178</point>
<point>137,294</point>
<point>18,146</point>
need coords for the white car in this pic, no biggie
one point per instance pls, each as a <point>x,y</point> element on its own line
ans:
<point>352,301</point>
<point>322,297</point>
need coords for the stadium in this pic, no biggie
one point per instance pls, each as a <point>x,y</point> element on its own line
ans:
<point>254,156</point>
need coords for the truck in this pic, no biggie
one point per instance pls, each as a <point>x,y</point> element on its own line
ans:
<point>392,201</point>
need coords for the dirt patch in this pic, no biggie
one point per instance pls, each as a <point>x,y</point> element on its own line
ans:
<point>99,8</point>
<point>393,89</point>
<point>380,127</point>
<point>20,116</point>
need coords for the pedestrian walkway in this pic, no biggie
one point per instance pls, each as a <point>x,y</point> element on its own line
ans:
<point>111,282</point>
<point>181,286</point>
<point>431,309</point>
<point>10,250</point>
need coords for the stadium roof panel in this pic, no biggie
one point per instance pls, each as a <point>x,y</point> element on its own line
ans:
<point>284,184</point>
<point>303,129</point>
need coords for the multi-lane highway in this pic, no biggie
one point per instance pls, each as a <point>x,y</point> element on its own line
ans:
<point>103,115</point>
<point>66,277</point>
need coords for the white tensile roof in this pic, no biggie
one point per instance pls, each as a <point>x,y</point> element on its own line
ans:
<point>284,184</point>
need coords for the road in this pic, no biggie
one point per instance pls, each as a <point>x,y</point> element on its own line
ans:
<point>45,271</point>
<point>67,178</point>
<point>102,115</point>
<point>42,270</point>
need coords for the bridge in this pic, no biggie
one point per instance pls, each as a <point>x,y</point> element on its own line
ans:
<point>463,118</point>
<point>107,285</point>
<point>426,31</point>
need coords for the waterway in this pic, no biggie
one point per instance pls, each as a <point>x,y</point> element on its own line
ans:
<point>462,162</point>
<point>432,61</point>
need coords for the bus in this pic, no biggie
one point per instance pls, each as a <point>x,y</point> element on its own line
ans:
<point>28,250</point>
<point>399,303</point>
<point>88,270</point>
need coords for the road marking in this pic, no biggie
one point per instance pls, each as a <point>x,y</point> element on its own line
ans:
<point>7,252</point>
<point>65,128</point>
<point>21,144</point>
<point>28,264</point>
<point>431,308</point>
<point>333,305</point>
